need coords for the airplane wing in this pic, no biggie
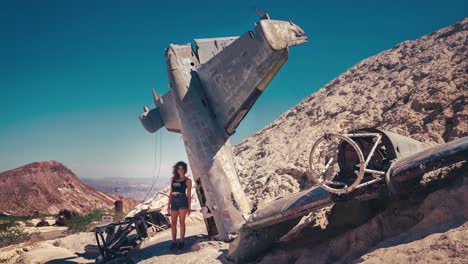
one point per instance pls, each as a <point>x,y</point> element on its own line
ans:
<point>235,77</point>
<point>164,114</point>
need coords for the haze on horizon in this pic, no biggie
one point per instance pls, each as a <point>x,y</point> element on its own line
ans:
<point>75,75</point>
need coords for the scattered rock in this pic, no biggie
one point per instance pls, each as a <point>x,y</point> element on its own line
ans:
<point>42,223</point>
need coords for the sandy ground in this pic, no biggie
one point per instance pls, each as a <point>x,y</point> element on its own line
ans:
<point>48,232</point>
<point>198,249</point>
<point>81,248</point>
<point>76,248</point>
<point>447,247</point>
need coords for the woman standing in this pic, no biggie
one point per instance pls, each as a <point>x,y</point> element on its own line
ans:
<point>179,202</point>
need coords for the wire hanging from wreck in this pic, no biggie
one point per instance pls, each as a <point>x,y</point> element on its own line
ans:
<point>155,177</point>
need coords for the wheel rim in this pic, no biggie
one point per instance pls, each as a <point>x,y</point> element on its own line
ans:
<point>324,182</point>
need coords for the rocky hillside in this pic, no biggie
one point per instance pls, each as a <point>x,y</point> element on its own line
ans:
<point>48,187</point>
<point>417,89</point>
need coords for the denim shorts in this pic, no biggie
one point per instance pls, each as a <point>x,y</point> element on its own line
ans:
<point>179,202</point>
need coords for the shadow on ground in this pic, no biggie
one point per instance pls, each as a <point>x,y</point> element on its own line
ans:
<point>89,256</point>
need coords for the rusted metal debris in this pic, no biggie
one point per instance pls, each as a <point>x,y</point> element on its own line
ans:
<point>117,238</point>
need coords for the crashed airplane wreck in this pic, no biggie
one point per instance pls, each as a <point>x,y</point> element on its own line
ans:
<point>361,165</point>
<point>213,86</point>
<point>211,90</point>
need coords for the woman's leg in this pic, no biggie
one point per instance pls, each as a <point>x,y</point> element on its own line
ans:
<point>182,213</point>
<point>174,215</point>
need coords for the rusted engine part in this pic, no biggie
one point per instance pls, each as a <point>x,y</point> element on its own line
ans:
<point>371,159</point>
<point>359,159</point>
<point>273,221</point>
<point>116,239</point>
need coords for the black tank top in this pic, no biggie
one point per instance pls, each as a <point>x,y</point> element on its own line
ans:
<point>179,186</point>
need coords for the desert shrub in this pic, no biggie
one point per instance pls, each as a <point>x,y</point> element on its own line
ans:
<point>86,221</point>
<point>83,222</point>
<point>12,218</point>
<point>13,235</point>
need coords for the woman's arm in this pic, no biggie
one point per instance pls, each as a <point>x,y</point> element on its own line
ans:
<point>189,196</point>
<point>170,198</point>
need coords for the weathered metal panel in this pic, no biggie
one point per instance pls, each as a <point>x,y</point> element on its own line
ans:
<point>282,34</point>
<point>151,120</point>
<point>410,167</point>
<point>230,77</point>
<point>292,206</point>
<point>209,47</point>
<point>181,61</point>
<point>165,114</point>
<point>169,113</point>
<point>235,78</point>
<point>403,146</point>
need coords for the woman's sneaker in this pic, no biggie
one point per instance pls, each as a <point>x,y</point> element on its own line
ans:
<point>173,246</point>
<point>181,246</point>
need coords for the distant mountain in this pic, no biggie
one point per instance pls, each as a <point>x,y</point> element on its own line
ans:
<point>48,187</point>
<point>134,188</point>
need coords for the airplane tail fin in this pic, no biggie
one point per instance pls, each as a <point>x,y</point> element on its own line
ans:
<point>164,114</point>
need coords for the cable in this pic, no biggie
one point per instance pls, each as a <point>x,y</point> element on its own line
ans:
<point>155,178</point>
<point>152,167</point>
<point>160,161</point>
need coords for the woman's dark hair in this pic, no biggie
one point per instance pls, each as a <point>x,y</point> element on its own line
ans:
<point>176,166</point>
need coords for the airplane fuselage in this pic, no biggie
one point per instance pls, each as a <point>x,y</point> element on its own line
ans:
<point>207,144</point>
<point>212,88</point>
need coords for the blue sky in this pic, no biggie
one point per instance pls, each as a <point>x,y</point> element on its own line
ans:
<point>74,75</point>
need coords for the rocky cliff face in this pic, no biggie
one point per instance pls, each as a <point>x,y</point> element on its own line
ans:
<point>417,89</point>
<point>48,187</point>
